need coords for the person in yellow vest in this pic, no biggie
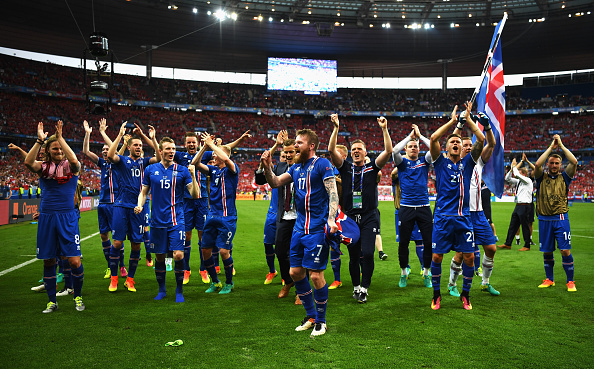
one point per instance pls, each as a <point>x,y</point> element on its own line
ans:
<point>552,207</point>
<point>38,192</point>
<point>21,192</point>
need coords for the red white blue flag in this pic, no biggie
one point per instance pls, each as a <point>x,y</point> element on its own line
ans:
<point>491,101</point>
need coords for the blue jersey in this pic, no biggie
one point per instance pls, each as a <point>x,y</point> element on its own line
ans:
<point>223,185</point>
<point>129,173</point>
<point>167,191</point>
<point>185,159</point>
<point>109,184</point>
<point>453,185</point>
<point>273,208</point>
<point>413,175</point>
<point>311,198</point>
<point>57,197</point>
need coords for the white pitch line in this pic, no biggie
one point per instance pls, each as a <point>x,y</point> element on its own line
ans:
<point>573,235</point>
<point>6,271</point>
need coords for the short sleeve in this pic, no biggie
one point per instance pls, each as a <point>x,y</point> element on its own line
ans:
<point>146,178</point>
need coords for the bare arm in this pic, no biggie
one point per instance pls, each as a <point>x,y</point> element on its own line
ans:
<point>330,184</point>
<point>434,145</point>
<point>236,143</point>
<point>142,199</point>
<point>572,165</point>
<point>23,153</point>
<point>194,187</point>
<point>525,160</point>
<point>197,160</point>
<point>102,128</point>
<point>219,152</point>
<point>70,155</point>
<point>384,156</point>
<point>155,145</point>
<point>122,149</point>
<point>273,180</point>
<point>94,158</point>
<point>280,139</point>
<point>396,156</point>
<point>33,165</point>
<point>111,154</point>
<point>538,170</point>
<point>334,154</point>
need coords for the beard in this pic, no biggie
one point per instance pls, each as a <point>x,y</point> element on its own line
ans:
<point>300,157</point>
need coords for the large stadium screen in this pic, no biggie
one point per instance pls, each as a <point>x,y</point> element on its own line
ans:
<point>309,75</point>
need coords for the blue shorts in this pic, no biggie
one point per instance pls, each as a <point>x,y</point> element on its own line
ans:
<point>167,239</point>
<point>219,231</point>
<point>58,235</point>
<point>416,233</point>
<point>126,223</point>
<point>270,228</point>
<point>551,230</point>
<point>105,215</point>
<point>452,233</point>
<point>309,251</point>
<point>195,211</point>
<point>483,233</point>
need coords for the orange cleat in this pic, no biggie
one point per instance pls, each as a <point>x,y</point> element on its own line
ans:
<point>129,284</point>
<point>113,285</point>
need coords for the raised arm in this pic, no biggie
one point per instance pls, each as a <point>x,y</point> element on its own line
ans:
<point>273,180</point>
<point>434,145</point>
<point>572,165</point>
<point>219,152</point>
<point>111,153</point>
<point>23,153</point>
<point>197,160</point>
<point>280,139</point>
<point>334,154</point>
<point>30,162</point>
<point>102,128</point>
<point>477,148</point>
<point>155,145</point>
<point>330,184</point>
<point>488,149</point>
<point>70,155</point>
<point>525,160</point>
<point>122,149</point>
<point>538,170</point>
<point>147,140</point>
<point>194,187</point>
<point>384,156</point>
<point>94,158</point>
<point>236,143</point>
<point>396,155</point>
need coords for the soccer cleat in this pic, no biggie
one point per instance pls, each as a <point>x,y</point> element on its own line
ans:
<point>356,294</point>
<point>40,281</point>
<point>227,289</point>
<point>436,303</point>
<point>78,304</point>
<point>306,323</point>
<point>187,276</point>
<point>571,286</point>
<point>123,272</point>
<point>382,255</point>
<point>169,266</point>
<point>488,288</point>
<point>546,283</point>
<point>298,300</point>
<point>39,288</point>
<point>524,249</point>
<point>466,302</point>
<point>335,285</point>
<point>59,278</point>
<point>51,307</point>
<point>129,284</point>
<point>179,297</point>
<point>270,277</point>
<point>479,272</point>
<point>362,297</point>
<point>504,246</point>
<point>218,269</point>
<point>532,243</point>
<point>205,276</point>
<point>233,270</point>
<point>107,274</point>
<point>427,281</point>
<point>150,263</point>
<point>65,291</point>
<point>408,272</point>
<point>214,287</point>
<point>113,285</point>
<point>403,281</point>
<point>319,329</point>
<point>454,291</point>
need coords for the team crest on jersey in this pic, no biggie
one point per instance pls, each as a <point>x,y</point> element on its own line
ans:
<point>461,167</point>
<point>175,173</point>
<point>418,162</point>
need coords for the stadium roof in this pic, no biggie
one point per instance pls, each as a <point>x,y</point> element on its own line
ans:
<point>231,35</point>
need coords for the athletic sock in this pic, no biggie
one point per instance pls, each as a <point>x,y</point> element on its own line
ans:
<point>403,271</point>
<point>269,251</point>
<point>420,249</point>
<point>106,247</point>
<point>210,267</point>
<point>455,270</point>
<point>549,263</point>
<point>335,262</point>
<point>303,289</point>
<point>78,275</point>
<point>133,262</point>
<point>435,275</point>
<point>60,265</point>
<point>67,271</point>
<point>568,266</point>
<point>201,257</point>
<point>49,279</point>
<point>518,237</point>
<point>147,245</point>
<point>228,264</point>
<point>160,273</point>
<point>179,276</point>
<point>321,299</point>
<point>487,268</point>
<point>477,259</point>
<point>467,274</point>
<point>215,256</point>
<point>114,259</point>
<point>187,251</point>
<point>122,263</point>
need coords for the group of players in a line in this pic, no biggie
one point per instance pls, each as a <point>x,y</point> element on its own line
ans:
<point>311,216</point>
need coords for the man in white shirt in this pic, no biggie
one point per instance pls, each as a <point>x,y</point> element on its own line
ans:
<point>524,187</point>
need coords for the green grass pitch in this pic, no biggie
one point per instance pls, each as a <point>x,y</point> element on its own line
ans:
<point>525,327</point>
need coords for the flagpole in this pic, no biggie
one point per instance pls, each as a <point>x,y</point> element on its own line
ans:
<point>489,59</point>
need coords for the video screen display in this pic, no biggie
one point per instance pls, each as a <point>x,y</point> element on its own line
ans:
<point>309,75</point>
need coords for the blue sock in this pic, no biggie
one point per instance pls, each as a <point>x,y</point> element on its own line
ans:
<point>147,245</point>
<point>201,257</point>
<point>210,267</point>
<point>106,247</point>
<point>60,265</point>
<point>335,262</point>
<point>133,262</point>
<point>477,258</point>
<point>435,275</point>
<point>114,258</point>
<point>215,255</point>
<point>467,274</point>
<point>49,279</point>
<point>122,261</point>
<point>78,275</point>
<point>269,250</point>
<point>568,266</point>
<point>420,249</point>
<point>303,289</point>
<point>187,251</point>
<point>321,298</point>
<point>228,270</point>
<point>160,271</point>
<point>67,271</point>
<point>549,263</point>
<point>179,280</point>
